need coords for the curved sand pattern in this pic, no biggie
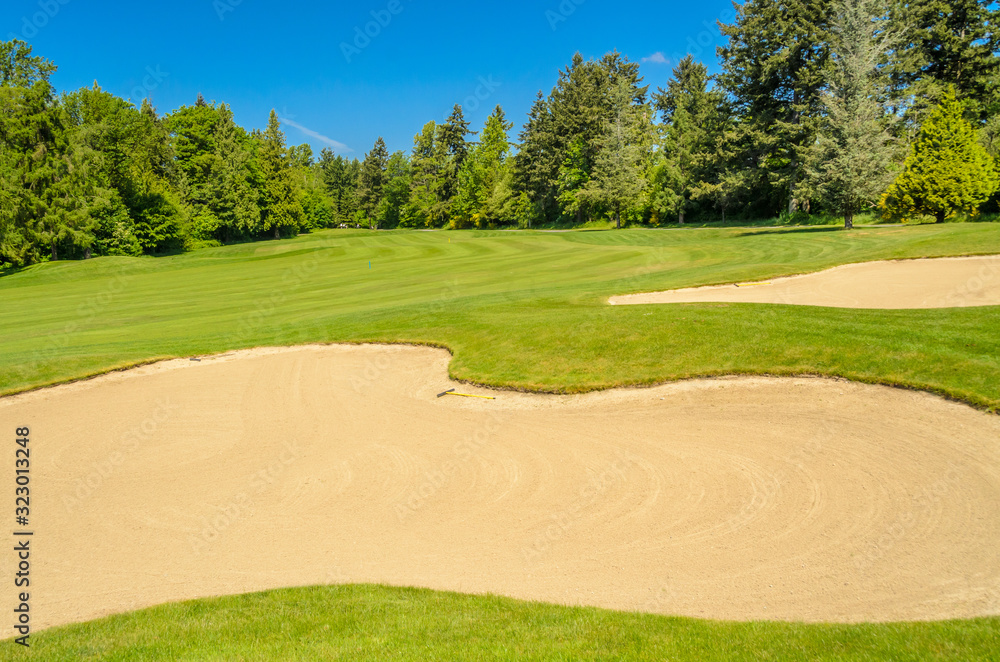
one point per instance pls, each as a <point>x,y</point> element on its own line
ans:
<point>901,284</point>
<point>796,499</point>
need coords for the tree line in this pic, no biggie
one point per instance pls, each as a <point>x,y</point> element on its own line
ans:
<point>821,106</point>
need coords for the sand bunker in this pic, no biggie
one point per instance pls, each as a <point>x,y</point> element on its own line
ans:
<point>937,283</point>
<point>797,499</point>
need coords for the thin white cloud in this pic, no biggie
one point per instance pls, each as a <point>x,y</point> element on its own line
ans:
<point>339,146</point>
<point>656,58</point>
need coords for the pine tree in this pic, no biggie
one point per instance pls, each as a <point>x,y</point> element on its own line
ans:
<point>479,200</point>
<point>947,43</point>
<point>852,161</point>
<point>236,202</point>
<point>775,67</point>
<point>947,172</point>
<point>192,134</point>
<point>692,122</point>
<point>536,163</point>
<point>373,180</point>
<point>310,182</point>
<point>425,208</point>
<point>453,148</point>
<point>619,168</point>
<point>340,177</point>
<point>281,211</point>
<point>50,178</point>
<point>19,68</point>
<point>574,175</point>
<point>581,105</point>
<point>396,193</point>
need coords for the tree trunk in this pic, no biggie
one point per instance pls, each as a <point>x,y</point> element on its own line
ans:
<point>277,232</point>
<point>680,218</point>
<point>848,220</point>
<point>939,216</point>
<point>793,204</point>
<point>618,216</point>
<point>54,256</point>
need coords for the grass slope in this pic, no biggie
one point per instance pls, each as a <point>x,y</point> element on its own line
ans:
<point>518,309</point>
<point>379,623</point>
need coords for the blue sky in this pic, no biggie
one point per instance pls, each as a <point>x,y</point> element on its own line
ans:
<point>337,86</point>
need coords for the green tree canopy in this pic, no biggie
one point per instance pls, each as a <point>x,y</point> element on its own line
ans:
<point>619,167</point>
<point>693,115</point>
<point>281,211</point>
<point>947,172</point>
<point>483,183</point>
<point>373,180</point>
<point>775,67</point>
<point>852,161</point>
<point>947,43</point>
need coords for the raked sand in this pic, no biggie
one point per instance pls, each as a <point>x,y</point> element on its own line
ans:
<point>932,283</point>
<point>744,498</point>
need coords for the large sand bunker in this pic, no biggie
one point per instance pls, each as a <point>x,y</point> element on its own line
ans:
<point>797,499</point>
<point>935,283</point>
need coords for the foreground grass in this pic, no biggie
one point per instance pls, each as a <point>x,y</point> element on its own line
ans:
<point>525,310</point>
<point>381,623</point>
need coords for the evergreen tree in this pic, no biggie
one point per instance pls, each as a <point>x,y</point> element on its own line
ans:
<point>340,177</point>
<point>579,109</point>
<point>559,145</point>
<point>483,177</point>
<point>775,67</point>
<point>582,104</point>
<point>64,220</point>
<point>192,138</point>
<point>300,156</point>
<point>51,180</point>
<point>310,189</point>
<point>572,180</point>
<point>32,139</point>
<point>396,194</point>
<point>536,163</point>
<point>947,172</point>
<point>453,147</point>
<point>352,187</point>
<point>19,68</point>
<point>425,207</point>
<point>724,189</point>
<point>373,180</point>
<point>852,162</point>
<point>282,210</point>
<point>947,43</point>
<point>619,168</point>
<point>692,122</point>
<point>236,202</point>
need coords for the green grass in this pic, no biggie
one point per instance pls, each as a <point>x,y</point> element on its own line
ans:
<point>524,310</point>
<point>359,623</point>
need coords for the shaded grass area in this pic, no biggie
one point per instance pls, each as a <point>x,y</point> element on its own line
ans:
<point>524,310</point>
<point>382,623</point>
